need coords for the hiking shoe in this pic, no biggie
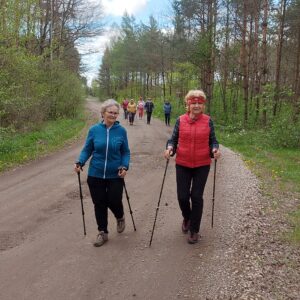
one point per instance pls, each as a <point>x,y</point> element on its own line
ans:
<point>102,238</point>
<point>193,238</point>
<point>121,224</point>
<point>185,226</point>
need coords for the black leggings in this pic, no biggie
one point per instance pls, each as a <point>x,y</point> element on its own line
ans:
<point>131,117</point>
<point>149,116</point>
<point>190,187</point>
<point>106,193</point>
<point>167,119</point>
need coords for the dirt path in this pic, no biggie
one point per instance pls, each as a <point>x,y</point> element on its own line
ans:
<point>44,255</point>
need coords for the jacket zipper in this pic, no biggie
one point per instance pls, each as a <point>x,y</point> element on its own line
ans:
<point>107,141</point>
<point>193,136</point>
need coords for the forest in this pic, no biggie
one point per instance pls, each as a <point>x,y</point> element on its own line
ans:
<point>245,55</point>
<point>39,63</point>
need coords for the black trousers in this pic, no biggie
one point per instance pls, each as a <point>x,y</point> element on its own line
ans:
<point>131,117</point>
<point>190,187</point>
<point>106,193</point>
<point>149,116</point>
<point>167,119</point>
<point>125,114</point>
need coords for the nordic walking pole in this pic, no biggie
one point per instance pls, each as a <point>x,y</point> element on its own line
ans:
<point>157,208</point>
<point>81,198</point>
<point>127,197</point>
<point>213,198</point>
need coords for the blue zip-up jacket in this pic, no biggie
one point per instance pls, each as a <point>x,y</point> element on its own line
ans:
<point>108,148</point>
<point>167,108</point>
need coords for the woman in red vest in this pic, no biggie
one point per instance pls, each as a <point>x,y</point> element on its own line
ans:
<point>194,142</point>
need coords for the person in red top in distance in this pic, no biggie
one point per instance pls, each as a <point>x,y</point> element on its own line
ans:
<point>140,107</point>
<point>124,105</point>
<point>194,143</point>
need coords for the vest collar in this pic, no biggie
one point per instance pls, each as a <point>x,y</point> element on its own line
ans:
<point>190,120</point>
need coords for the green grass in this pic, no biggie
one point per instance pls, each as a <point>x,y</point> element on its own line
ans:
<point>295,221</point>
<point>278,168</point>
<point>282,165</point>
<point>20,148</point>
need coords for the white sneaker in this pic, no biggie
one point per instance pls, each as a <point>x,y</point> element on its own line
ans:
<point>102,238</point>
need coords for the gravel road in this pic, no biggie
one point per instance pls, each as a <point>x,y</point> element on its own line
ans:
<point>44,255</point>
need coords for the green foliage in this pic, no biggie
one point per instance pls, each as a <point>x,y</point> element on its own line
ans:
<point>271,162</point>
<point>284,133</point>
<point>31,93</point>
<point>278,168</point>
<point>22,92</point>
<point>67,93</point>
<point>295,221</point>
<point>16,148</point>
<point>200,53</point>
<point>279,132</point>
<point>94,89</point>
<point>184,77</point>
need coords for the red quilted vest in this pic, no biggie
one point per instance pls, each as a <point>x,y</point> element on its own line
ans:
<point>193,143</point>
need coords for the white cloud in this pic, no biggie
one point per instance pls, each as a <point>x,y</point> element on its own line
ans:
<point>92,50</point>
<point>96,44</point>
<point>118,7</point>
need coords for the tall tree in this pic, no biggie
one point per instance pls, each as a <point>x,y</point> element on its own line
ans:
<point>281,16</point>
<point>264,60</point>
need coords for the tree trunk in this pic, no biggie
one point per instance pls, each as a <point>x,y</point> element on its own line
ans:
<point>226,59</point>
<point>256,73</point>
<point>279,56</point>
<point>296,97</point>
<point>212,34</point>
<point>147,83</point>
<point>164,84</point>
<point>244,64</point>
<point>264,61</point>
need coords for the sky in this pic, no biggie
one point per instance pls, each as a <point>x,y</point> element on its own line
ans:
<point>113,12</point>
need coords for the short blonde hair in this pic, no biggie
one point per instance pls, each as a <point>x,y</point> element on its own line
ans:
<point>194,93</point>
<point>108,103</point>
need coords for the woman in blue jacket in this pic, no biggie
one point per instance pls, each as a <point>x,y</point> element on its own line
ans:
<point>107,145</point>
<point>167,111</point>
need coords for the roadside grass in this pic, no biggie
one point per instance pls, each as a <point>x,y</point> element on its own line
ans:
<point>295,220</point>
<point>279,169</point>
<point>19,148</point>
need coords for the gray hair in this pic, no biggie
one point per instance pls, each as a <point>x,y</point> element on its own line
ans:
<point>108,103</point>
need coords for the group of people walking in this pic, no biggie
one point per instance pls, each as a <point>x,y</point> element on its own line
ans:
<point>193,141</point>
<point>130,109</point>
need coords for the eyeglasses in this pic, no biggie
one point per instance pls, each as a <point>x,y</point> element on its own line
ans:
<point>112,113</point>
